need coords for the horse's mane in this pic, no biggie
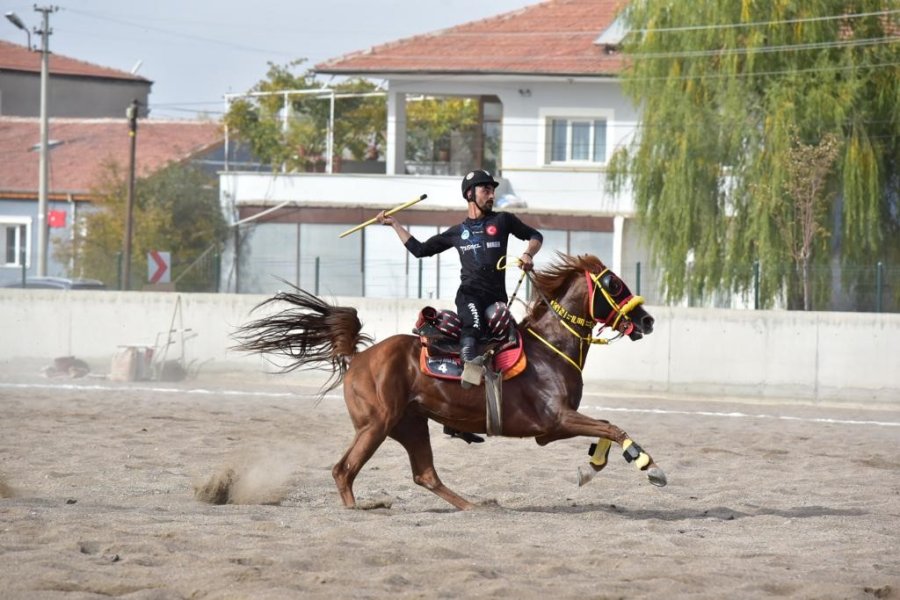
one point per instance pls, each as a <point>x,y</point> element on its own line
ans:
<point>551,279</point>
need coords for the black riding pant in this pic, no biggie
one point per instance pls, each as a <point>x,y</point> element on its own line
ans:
<point>470,306</point>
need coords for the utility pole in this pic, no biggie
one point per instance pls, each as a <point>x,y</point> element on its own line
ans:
<point>43,166</point>
<point>132,114</point>
<point>45,32</point>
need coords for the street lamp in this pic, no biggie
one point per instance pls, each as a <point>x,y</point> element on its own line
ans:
<point>44,32</point>
<point>15,20</point>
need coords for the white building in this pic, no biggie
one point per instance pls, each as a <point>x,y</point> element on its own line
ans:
<point>552,113</point>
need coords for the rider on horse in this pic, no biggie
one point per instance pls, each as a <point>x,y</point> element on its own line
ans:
<point>481,240</point>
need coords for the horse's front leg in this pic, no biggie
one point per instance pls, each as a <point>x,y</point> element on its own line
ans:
<point>573,424</point>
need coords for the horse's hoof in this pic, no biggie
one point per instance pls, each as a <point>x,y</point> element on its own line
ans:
<point>585,476</point>
<point>657,477</point>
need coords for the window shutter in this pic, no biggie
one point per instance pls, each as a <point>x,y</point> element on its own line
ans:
<point>600,141</point>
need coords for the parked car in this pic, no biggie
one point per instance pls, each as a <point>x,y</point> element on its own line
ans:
<point>57,283</point>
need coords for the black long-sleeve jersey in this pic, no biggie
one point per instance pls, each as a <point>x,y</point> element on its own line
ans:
<point>480,243</point>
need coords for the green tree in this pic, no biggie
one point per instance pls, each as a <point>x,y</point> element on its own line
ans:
<point>176,209</point>
<point>359,121</point>
<point>722,85</point>
<point>431,121</point>
<point>801,220</point>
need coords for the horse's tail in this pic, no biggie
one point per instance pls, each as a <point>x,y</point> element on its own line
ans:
<point>310,334</point>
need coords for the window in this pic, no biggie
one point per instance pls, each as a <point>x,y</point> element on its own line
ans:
<point>13,241</point>
<point>577,140</point>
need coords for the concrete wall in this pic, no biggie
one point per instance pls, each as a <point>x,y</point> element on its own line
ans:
<point>809,356</point>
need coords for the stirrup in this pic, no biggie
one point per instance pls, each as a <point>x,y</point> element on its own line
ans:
<point>473,372</point>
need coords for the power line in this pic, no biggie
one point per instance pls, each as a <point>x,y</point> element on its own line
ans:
<point>723,75</point>
<point>767,49</point>
<point>595,32</point>
<point>761,23</point>
<point>241,26</point>
<point>171,108</point>
<point>217,102</point>
<point>180,105</point>
<point>766,73</point>
<point>183,35</point>
<point>545,58</point>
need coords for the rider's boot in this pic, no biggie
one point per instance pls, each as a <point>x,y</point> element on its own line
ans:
<point>467,437</point>
<point>473,364</point>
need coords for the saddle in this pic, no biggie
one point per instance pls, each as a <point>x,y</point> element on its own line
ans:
<point>439,357</point>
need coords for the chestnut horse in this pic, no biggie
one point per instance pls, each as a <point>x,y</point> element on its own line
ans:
<point>387,395</point>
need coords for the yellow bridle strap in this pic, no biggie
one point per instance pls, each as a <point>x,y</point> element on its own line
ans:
<point>565,315</point>
<point>558,351</point>
<point>623,311</point>
<point>595,277</point>
<point>632,304</point>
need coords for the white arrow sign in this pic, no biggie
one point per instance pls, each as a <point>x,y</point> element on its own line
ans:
<point>158,266</point>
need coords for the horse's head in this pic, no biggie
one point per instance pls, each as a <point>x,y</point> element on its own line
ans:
<point>612,304</point>
<point>606,298</point>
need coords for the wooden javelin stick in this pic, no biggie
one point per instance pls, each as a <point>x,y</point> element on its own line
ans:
<point>387,213</point>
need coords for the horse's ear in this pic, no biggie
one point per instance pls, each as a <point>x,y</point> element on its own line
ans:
<point>589,262</point>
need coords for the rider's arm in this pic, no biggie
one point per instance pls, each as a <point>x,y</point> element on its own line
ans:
<point>433,245</point>
<point>527,258</point>
<point>534,237</point>
<point>430,247</point>
<point>402,233</point>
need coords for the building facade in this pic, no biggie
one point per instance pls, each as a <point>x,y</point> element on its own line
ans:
<point>551,114</point>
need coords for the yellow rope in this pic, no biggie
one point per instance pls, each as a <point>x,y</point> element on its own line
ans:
<point>557,350</point>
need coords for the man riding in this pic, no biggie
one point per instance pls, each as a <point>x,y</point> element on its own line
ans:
<point>481,240</point>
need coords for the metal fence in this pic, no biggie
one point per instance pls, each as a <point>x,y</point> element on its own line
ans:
<point>189,273</point>
<point>857,288</point>
<point>873,288</point>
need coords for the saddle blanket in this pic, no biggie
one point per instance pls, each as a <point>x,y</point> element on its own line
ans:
<point>509,362</point>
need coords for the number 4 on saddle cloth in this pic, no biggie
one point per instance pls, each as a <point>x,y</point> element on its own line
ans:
<point>439,333</point>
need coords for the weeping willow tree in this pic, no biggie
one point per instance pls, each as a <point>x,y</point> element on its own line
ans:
<point>726,89</point>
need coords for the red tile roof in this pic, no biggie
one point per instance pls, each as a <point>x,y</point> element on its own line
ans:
<point>88,144</point>
<point>552,38</point>
<point>14,57</point>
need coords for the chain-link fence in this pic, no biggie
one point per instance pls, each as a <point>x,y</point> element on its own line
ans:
<point>859,288</point>
<point>874,288</point>
<point>339,271</point>
<point>184,273</point>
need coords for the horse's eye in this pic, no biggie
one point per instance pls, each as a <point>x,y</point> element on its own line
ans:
<point>612,284</point>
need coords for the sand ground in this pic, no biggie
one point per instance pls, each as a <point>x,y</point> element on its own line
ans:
<point>766,500</point>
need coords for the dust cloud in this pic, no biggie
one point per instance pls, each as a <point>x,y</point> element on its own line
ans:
<point>260,476</point>
<point>6,490</point>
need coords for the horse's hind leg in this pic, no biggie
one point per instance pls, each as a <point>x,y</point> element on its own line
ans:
<point>412,433</point>
<point>368,439</point>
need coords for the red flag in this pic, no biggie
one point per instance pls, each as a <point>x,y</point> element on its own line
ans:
<point>57,218</point>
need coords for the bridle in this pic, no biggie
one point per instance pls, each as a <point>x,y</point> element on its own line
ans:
<point>616,320</point>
